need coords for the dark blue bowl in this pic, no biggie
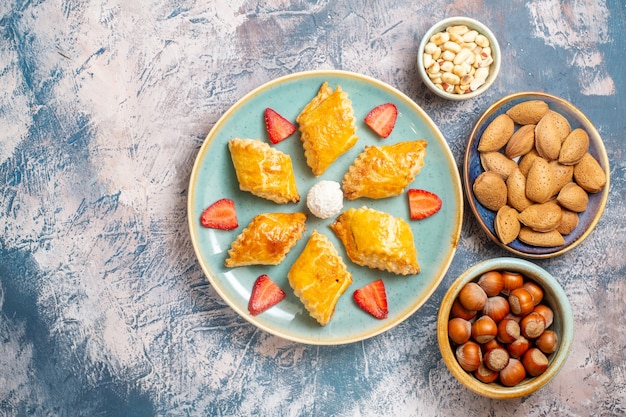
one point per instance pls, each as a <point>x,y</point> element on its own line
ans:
<point>472,168</point>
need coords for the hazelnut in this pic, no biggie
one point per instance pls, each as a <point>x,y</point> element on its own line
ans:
<point>547,342</point>
<point>491,282</point>
<point>521,301</point>
<point>457,310</point>
<point>484,329</point>
<point>535,361</point>
<point>508,331</point>
<point>469,356</point>
<point>532,325</point>
<point>513,373</point>
<point>535,290</point>
<point>512,280</point>
<point>497,308</point>
<point>518,347</point>
<point>472,297</point>
<point>459,330</point>
<point>546,312</point>
<point>496,359</point>
<point>485,374</point>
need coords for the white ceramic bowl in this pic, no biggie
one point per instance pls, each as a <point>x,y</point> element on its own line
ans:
<point>471,24</point>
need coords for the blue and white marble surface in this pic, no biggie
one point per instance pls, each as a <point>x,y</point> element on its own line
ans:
<point>104,104</point>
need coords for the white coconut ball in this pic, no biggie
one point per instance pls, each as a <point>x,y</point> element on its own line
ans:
<point>325,199</point>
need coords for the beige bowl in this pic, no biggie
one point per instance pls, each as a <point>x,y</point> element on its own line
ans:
<point>563,325</point>
<point>472,24</point>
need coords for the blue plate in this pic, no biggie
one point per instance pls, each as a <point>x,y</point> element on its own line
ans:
<point>213,177</point>
<point>472,168</point>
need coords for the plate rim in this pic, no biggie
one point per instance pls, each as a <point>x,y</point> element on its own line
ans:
<point>454,173</point>
<point>603,160</point>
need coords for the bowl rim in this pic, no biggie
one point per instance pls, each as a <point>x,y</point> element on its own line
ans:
<point>474,24</point>
<point>603,159</point>
<point>551,288</point>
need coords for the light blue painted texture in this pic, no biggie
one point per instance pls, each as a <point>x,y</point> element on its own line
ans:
<point>104,104</point>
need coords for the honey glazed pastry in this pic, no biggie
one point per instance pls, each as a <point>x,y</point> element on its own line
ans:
<point>328,128</point>
<point>319,277</point>
<point>384,171</point>
<point>267,239</point>
<point>377,240</point>
<point>264,171</point>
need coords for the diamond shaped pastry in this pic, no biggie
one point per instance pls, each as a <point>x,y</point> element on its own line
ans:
<point>377,240</point>
<point>328,128</point>
<point>267,239</point>
<point>319,277</point>
<point>384,171</point>
<point>264,171</point>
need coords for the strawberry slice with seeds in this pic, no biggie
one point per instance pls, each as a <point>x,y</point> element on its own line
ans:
<point>373,299</point>
<point>265,294</point>
<point>381,119</point>
<point>278,128</point>
<point>220,215</point>
<point>423,204</point>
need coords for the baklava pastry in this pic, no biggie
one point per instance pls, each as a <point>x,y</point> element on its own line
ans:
<point>319,277</point>
<point>384,171</point>
<point>267,239</point>
<point>263,171</point>
<point>328,128</point>
<point>377,240</point>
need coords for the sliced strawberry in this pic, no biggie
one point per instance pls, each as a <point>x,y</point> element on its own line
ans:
<point>220,215</point>
<point>265,294</point>
<point>278,128</point>
<point>423,203</point>
<point>381,119</point>
<point>373,299</point>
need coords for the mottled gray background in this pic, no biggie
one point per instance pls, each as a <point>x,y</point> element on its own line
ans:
<point>104,104</point>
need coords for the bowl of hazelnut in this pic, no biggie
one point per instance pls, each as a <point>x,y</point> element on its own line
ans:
<point>505,328</point>
<point>458,58</point>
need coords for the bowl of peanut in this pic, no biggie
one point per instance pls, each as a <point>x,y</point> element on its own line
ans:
<point>505,328</point>
<point>536,174</point>
<point>458,58</point>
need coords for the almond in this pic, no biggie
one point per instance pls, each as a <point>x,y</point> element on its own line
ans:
<point>563,174</point>
<point>528,112</point>
<point>497,162</point>
<point>563,128</point>
<point>527,160</point>
<point>506,224</point>
<point>569,221</point>
<point>490,190</point>
<point>542,239</point>
<point>516,190</point>
<point>540,181</point>
<point>589,174</point>
<point>574,147</point>
<point>573,197</point>
<point>542,217</point>
<point>521,142</point>
<point>548,135</point>
<point>496,134</point>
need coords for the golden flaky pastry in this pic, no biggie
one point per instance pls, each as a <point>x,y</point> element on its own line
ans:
<point>267,239</point>
<point>264,171</point>
<point>319,277</point>
<point>376,239</point>
<point>327,127</point>
<point>384,171</point>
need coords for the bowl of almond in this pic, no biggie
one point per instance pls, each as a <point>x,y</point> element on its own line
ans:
<point>536,174</point>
